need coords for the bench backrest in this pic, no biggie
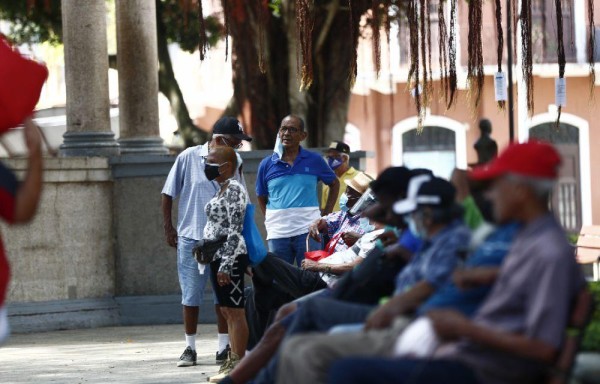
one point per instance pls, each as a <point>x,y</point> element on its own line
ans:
<point>580,316</point>
<point>588,244</point>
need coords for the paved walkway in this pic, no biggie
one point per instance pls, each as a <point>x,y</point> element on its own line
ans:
<point>146,354</point>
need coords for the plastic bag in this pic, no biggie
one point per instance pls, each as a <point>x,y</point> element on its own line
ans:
<point>254,242</point>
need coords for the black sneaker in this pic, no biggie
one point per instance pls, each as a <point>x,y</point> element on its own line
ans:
<point>222,357</point>
<point>188,358</point>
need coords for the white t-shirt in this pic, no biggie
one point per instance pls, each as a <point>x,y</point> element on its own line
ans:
<point>362,247</point>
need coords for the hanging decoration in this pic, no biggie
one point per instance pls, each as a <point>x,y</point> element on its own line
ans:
<point>475,73</point>
<point>500,49</point>
<point>591,45</point>
<point>443,51</point>
<point>418,13</point>
<point>527,53</point>
<point>562,61</point>
<point>452,77</point>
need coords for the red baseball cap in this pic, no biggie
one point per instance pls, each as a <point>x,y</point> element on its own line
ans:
<point>22,80</point>
<point>533,158</point>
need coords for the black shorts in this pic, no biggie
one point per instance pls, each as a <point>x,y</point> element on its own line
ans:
<point>232,294</point>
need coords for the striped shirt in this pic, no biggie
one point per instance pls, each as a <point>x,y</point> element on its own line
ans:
<point>187,181</point>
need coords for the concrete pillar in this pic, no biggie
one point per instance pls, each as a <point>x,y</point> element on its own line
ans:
<point>137,60</point>
<point>86,74</point>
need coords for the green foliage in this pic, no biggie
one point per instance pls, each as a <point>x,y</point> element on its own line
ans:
<point>182,25</point>
<point>591,340</point>
<point>41,23</point>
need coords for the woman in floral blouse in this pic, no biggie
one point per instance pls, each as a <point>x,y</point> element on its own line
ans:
<point>225,218</point>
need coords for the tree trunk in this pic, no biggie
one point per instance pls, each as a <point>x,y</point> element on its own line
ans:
<point>168,86</point>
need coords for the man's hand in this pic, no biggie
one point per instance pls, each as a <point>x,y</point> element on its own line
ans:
<point>382,317</point>
<point>33,138</point>
<point>171,235</point>
<point>398,252</point>
<point>449,325</point>
<point>475,277</point>
<point>309,265</point>
<point>223,279</point>
<point>350,238</point>
<point>316,228</point>
<point>388,238</point>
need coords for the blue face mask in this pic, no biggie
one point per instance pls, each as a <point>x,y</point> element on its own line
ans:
<point>334,163</point>
<point>365,225</point>
<point>344,203</point>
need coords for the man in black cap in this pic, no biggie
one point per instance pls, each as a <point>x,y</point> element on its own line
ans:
<point>338,158</point>
<point>188,181</point>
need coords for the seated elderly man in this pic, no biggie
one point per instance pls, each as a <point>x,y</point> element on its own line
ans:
<point>276,282</point>
<point>517,332</point>
<point>444,235</point>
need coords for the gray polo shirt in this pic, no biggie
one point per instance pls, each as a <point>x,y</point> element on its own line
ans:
<point>538,281</point>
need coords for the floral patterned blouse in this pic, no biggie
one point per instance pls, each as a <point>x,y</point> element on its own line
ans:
<point>225,217</point>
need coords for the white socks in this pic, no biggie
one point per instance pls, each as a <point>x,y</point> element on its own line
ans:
<point>223,341</point>
<point>190,341</point>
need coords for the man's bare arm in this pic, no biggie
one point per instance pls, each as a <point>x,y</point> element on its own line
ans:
<point>30,190</point>
<point>262,203</point>
<point>170,231</point>
<point>334,189</point>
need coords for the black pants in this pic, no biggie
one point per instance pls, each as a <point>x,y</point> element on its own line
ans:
<point>275,283</point>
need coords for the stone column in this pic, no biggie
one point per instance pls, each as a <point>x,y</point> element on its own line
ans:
<point>137,60</point>
<point>86,74</point>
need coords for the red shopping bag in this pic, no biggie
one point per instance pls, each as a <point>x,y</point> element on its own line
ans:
<point>21,82</point>
<point>323,253</point>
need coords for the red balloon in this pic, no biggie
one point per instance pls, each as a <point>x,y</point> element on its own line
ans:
<point>21,82</point>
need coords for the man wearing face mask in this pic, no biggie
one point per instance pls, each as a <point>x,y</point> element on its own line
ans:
<point>341,226</point>
<point>338,159</point>
<point>192,181</point>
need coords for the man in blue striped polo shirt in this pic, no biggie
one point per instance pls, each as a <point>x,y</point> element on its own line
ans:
<point>286,187</point>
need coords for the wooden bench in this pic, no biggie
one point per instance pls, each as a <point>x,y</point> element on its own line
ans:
<point>588,248</point>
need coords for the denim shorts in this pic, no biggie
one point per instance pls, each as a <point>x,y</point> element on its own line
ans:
<point>191,281</point>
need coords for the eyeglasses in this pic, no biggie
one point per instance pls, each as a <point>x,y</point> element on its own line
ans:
<point>289,129</point>
<point>227,143</point>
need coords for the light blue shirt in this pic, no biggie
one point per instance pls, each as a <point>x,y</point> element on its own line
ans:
<point>187,181</point>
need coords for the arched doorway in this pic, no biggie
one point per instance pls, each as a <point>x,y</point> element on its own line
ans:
<point>441,146</point>
<point>566,199</point>
<point>572,199</point>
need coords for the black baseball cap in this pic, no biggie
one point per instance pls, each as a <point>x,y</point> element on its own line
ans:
<point>392,181</point>
<point>339,146</point>
<point>425,190</point>
<point>228,125</point>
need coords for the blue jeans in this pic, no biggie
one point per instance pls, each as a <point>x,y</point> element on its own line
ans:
<point>292,248</point>
<point>355,370</point>
<point>192,283</point>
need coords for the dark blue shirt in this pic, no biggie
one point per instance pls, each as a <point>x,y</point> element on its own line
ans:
<point>490,253</point>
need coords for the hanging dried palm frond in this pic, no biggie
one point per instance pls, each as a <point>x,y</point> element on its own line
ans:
<point>226,12</point>
<point>263,16</point>
<point>413,73</point>
<point>423,11</point>
<point>352,70</point>
<point>527,53</point>
<point>305,24</point>
<point>475,63</point>
<point>452,77</point>
<point>515,20</point>
<point>500,50</point>
<point>376,36</point>
<point>202,39</point>
<point>429,66</point>
<point>443,50</point>
<point>591,45</point>
<point>562,61</point>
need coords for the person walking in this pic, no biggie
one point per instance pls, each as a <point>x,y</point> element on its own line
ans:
<point>188,181</point>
